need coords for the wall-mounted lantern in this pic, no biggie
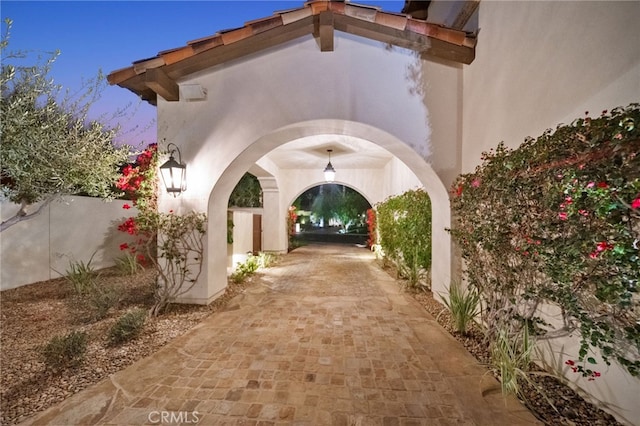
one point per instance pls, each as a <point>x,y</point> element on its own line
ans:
<point>174,173</point>
<point>329,171</point>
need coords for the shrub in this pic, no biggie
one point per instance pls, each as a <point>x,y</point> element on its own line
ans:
<point>102,299</point>
<point>464,305</point>
<point>81,275</point>
<point>511,358</point>
<point>128,326</point>
<point>65,351</point>
<point>267,259</point>
<point>128,264</point>
<point>404,228</point>
<point>245,269</point>
<point>557,221</point>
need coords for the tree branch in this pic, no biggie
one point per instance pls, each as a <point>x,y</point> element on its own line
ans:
<point>23,215</point>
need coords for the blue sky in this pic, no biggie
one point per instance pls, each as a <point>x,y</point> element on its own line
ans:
<point>109,35</point>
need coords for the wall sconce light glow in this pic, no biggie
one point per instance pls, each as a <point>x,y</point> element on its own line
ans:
<point>174,173</point>
<point>329,171</point>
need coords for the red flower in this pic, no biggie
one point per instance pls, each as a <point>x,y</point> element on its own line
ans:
<point>126,171</point>
<point>562,215</point>
<point>635,204</point>
<point>570,362</point>
<point>126,206</point>
<point>124,246</point>
<point>602,185</point>
<point>129,226</point>
<point>475,183</point>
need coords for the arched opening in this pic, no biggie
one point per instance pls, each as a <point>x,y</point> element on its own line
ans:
<point>215,276</point>
<point>330,212</point>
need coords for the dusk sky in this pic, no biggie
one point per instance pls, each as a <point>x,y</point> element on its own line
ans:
<point>109,35</point>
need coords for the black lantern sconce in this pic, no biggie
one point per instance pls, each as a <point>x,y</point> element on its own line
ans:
<point>174,173</point>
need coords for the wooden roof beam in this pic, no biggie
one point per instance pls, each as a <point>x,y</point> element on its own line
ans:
<point>468,9</point>
<point>325,31</point>
<point>423,43</point>
<point>158,81</point>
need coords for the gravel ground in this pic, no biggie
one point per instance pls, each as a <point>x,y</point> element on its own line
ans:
<point>570,408</point>
<point>32,314</point>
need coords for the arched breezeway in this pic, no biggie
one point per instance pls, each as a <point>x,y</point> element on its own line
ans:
<point>403,171</point>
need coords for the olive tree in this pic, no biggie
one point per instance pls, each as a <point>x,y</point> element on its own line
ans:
<point>49,146</point>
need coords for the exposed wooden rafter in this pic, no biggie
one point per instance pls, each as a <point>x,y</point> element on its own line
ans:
<point>158,81</point>
<point>468,9</point>
<point>325,31</point>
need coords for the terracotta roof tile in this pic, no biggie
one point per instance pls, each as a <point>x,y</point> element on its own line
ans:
<point>295,15</point>
<point>393,20</point>
<point>231,36</point>
<point>364,13</point>
<point>318,6</point>
<point>264,24</point>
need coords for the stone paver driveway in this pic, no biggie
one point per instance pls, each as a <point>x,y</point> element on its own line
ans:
<point>326,338</point>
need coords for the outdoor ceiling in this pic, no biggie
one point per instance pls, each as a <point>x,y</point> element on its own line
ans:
<point>311,153</point>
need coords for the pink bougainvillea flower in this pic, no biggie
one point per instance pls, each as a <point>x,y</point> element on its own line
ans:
<point>126,206</point>
<point>583,212</point>
<point>562,215</point>
<point>459,190</point>
<point>602,246</point>
<point>591,184</point>
<point>568,199</point>
<point>593,255</point>
<point>475,183</point>
<point>635,204</point>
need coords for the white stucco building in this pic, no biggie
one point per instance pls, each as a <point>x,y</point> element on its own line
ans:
<point>402,102</point>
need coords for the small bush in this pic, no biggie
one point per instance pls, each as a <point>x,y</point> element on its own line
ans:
<point>81,275</point>
<point>102,299</point>
<point>128,326</point>
<point>246,269</point>
<point>266,259</point>
<point>65,351</point>
<point>463,305</point>
<point>128,264</point>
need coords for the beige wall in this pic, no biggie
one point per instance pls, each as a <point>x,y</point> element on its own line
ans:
<point>539,64</point>
<point>69,229</point>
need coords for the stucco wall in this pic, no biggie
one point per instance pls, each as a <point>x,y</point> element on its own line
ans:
<point>539,64</point>
<point>257,103</point>
<point>543,63</point>
<point>70,229</point>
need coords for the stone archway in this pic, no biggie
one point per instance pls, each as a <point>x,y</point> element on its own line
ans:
<point>213,279</point>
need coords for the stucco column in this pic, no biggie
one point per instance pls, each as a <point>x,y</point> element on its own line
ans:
<point>274,229</point>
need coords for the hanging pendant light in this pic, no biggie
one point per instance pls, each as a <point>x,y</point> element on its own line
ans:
<point>329,171</point>
<point>174,173</point>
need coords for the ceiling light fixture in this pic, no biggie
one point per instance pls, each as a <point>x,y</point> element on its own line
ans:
<point>329,171</point>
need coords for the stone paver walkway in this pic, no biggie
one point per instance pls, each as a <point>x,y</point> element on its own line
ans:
<point>326,338</point>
